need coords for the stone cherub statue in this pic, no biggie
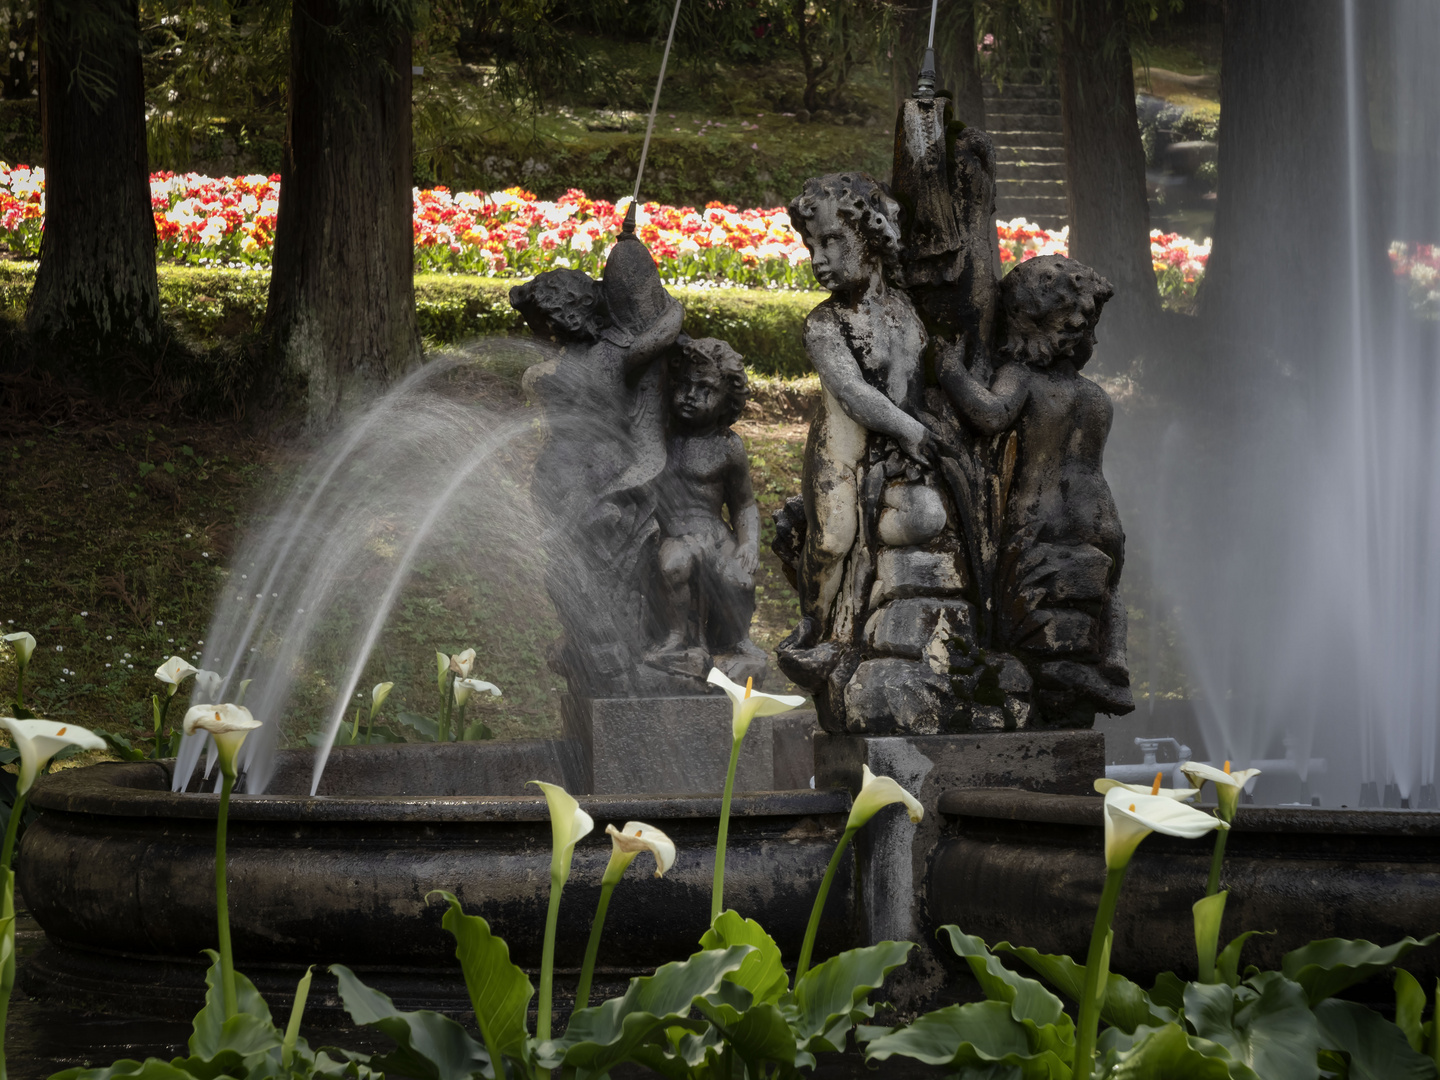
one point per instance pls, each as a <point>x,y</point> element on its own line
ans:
<point>707,564</point>
<point>650,582</point>
<point>956,548</point>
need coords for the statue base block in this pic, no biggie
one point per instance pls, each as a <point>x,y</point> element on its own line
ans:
<point>665,745</point>
<point>892,855</point>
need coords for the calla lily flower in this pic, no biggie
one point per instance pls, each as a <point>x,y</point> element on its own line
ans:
<point>626,845</point>
<point>175,671</point>
<point>877,792</point>
<point>227,724</point>
<point>568,826</point>
<point>24,646</point>
<point>1180,794</point>
<point>747,703</point>
<point>40,740</point>
<point>462,662</point>
<point>1228,785</point>
<point>378,694</point>
<point>1130,817</point>
<point>465,687</point>
<point>442,668</point>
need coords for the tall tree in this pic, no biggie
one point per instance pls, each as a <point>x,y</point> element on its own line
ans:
<point>957,64</point>
<point>1105,162</point>
<point>341,314</point>
<point>96,297</point>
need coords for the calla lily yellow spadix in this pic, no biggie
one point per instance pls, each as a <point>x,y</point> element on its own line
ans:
<point>227,725</point>
<point>175,671</point>
<point>568,826</point>
<point>746,703</point>
<point>625,845</point>
<point>1105,786</point>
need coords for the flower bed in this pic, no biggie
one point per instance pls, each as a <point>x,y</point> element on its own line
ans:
<point>1419,266</point>
<point>230,222</point>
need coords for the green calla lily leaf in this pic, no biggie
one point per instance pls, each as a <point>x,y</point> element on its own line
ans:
<point>500,992</point>
<point>1326,967</point>
<point>828,999</point>
<point>1374,1047</point>
<point>763,972</point>
<point>127,1069</point>
<point>428,1046</point>
<point>1168,1053</point>
<point>1268,1026</point>
<point>1027,998</point>
<point>1410,1009</point>
<point>762,1037</point>
<point>1208,913</point>
<point>212,1033</point>
<point>1227,964</point>
<point>225,1063</point>
<point>1126,1005</point>
<point>980,1034</point>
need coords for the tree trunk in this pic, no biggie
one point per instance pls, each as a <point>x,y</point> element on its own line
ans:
<point>341,315</point>
<point>96,298</point>
<point>1105,163</point>
<point>956,61</point>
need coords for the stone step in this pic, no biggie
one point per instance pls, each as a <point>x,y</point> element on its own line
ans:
<point>1008,104</point>
<point>1022,169</point>
<point>1028,188</point>
<point>1050,212</point>
<point>1008,139</point>
<point>1019,89</point>
<point>1024,121</point>
<point>1031,155</point>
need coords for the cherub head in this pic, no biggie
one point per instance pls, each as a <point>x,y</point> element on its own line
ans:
<point>1052,305</point>
<point>851,226</point>
<point>563,305</point>
<point>708,386</point>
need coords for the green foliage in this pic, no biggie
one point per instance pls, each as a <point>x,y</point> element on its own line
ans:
<point>428,1046</point>
<point>1326,967</point>
<point>500,992</point>
<point>762,974</point>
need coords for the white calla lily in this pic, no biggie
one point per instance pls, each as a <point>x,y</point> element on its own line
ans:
<point>465,687</point>
<point>877,792</point>
<point>1228,785</point>
<point>175,671</point>
<point>378,694</point>
<point>442,668</point>
<point>568,826</point>
<point>626,844</point>
<point>1130,817</point>
<point>746,703</point>
<point>227,725</point>
<point>24,646</point>
<point>1180,794</point>
<point>462,662</point>
<point>40,740</point>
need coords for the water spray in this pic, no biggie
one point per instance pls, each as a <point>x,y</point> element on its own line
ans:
<point>629,225</point>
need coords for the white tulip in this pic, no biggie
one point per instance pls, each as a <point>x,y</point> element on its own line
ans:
<point>877,792</point>
<point>227,724</point>
<point>1228,785</point>
<point>568,826</point>
<point>40,740</point>
<point>1130,817</point>
<point>746,703</point>
<point>175,671</point>
<point>24,646</point>
<point>627,844</point>
<point>465,687</point>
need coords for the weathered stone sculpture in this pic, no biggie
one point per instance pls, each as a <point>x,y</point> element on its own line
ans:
<point>956,548</point>
<point>651,585</point>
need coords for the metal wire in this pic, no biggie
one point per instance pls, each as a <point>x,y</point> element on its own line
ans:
<point>655,104</point>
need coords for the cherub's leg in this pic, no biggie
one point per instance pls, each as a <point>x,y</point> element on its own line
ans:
<point>831,524</point>
<point>677,571</point>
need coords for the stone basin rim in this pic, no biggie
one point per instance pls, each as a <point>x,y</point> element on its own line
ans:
<point>141,790</point>
<point>1087,811</point>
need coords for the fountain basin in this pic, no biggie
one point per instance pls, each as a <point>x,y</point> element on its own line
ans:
<point>119,872</point>
<point>1028,868</point>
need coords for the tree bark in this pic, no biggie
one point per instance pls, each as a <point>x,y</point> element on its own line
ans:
<point>1105,162</point>
<point>96,298</point>
<point>956,61</point>
<point>340,321</point>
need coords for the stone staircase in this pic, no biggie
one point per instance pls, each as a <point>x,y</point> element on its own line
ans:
<point>1024,121</point>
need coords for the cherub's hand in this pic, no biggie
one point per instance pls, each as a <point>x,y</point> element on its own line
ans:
<point>749,559</point>
<point>921,447</point>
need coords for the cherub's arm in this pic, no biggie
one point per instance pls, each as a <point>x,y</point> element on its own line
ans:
<point>840,375</point>
<point>992,410</point>
<point>657,337</point>
<point>740,501</point>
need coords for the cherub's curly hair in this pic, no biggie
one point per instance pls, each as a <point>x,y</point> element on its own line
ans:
<point>859,198</point>
<point>556,291</point>
<point>1041,299</point>
<point>716,355</point>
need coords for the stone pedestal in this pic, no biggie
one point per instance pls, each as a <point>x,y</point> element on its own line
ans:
<point>893,856</point>
<point>664,746</point>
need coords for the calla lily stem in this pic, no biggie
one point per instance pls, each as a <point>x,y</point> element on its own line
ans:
<point>12,830</point>
<point>813,928</point>
<point>222,901</point>
<point>1217,860</point>
<point>1097,974</point>
<point>592,950</point>
<point>717,890</point>
<point>547,965</point>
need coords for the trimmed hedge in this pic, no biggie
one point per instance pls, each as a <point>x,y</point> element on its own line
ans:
<point>212,307</point>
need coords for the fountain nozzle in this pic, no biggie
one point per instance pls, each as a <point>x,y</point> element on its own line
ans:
<point>925,86</point>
